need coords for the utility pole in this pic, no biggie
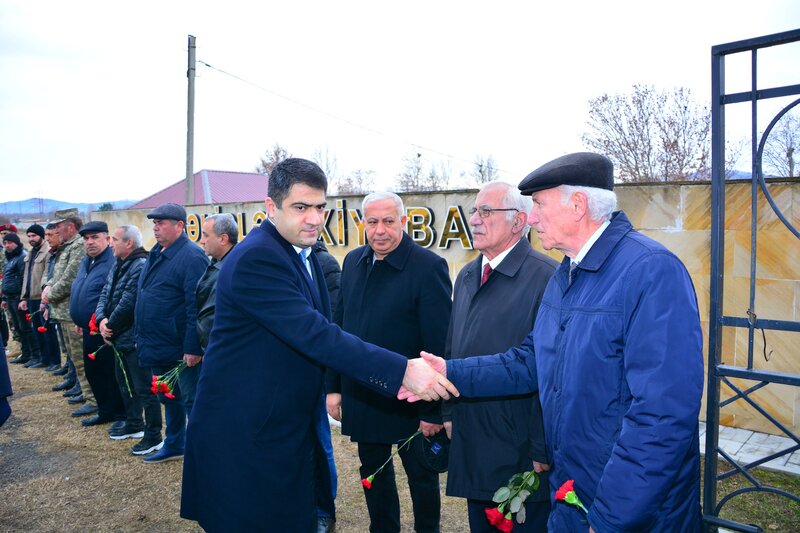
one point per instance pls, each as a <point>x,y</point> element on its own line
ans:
<point>190,125</point>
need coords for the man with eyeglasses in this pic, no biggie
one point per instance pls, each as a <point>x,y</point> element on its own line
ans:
<point>495,301</point>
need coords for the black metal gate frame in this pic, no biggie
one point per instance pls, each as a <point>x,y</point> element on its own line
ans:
<point>720,373</point>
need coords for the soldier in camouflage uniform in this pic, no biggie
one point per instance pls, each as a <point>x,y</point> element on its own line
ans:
<point>56,294</point>
<point>9,334</point>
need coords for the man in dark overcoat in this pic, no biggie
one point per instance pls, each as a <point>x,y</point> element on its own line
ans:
<point>396,294</point>
<point>495,301</point>
<point>253,427</point>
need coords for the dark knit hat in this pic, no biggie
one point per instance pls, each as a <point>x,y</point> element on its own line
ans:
<point>13,237</point>
<point>37,229</point>
<point>583,169</point>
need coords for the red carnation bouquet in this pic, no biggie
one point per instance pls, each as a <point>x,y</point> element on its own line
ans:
<point>166,382</point>
<point>367,481</point>
<point>511,499</point>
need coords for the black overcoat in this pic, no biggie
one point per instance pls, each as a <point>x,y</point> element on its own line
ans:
<point>248,461</point>
<point>403,304</point>
<point>494,438</point>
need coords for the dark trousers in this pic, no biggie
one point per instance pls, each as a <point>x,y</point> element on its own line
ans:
<point>49,352</point>
<point>30,345</point>
<point>100,374</point>
<point>4,333</point>
<point>140,399</point>
<point>536,514</point>
<point>176,410</point>
<point>383,501</point>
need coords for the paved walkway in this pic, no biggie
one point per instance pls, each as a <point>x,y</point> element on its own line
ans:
<point>747,446</point>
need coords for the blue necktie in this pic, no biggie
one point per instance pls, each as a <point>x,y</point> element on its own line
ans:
<point>304,258</point>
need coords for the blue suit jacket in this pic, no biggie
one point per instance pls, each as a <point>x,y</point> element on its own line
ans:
<point>248,462</point>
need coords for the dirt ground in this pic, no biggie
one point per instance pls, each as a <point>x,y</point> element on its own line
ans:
<point>56,475</point>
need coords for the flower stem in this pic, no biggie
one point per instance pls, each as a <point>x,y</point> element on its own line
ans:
<point>405,442</point>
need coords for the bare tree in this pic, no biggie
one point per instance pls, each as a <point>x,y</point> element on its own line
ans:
<point>357,182</point>
<point>272,157</point>
<point>327,162</point>
<point>484,169</point>
<point>780,150</point>
<point>652,135</point>
<point>410,178</point>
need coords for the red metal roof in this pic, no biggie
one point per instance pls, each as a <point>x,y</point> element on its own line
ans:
<point>212,187</point>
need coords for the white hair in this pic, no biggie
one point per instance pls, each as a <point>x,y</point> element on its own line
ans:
<point>131,233</point>
<point>383,195</point>
<point>600,202</point>
<point>511,198</point>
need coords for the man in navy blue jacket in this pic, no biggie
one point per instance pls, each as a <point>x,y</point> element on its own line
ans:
<point>165,318</point>
<point>616,354</point>
<point>85,293</point>
<point>249,455</point>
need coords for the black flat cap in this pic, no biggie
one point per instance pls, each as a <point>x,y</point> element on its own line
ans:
<point>93,226</point>
<point>583,169</point>
<point>168,211</point>
<point>433,452</point>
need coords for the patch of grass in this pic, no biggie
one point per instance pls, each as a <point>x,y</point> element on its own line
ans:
<point>769,511</point>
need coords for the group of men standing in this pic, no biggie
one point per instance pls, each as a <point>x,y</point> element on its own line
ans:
<point>121,314</point>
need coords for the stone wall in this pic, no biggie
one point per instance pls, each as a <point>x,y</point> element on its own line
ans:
<point>677,215</point>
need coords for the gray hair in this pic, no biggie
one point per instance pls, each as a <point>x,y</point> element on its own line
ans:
<point>601,202</point>
<point>383,195</point>
<point>512,198</point>
<point>225,224</point>
<point>131,233</point>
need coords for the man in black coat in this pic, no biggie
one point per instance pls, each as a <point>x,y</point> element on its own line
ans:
<point>495,301</point>
<point>114,316</point>
<point>85,293</point>
<point>395,294</point>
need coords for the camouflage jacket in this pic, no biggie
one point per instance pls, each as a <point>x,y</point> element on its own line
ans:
<point>70,255</point>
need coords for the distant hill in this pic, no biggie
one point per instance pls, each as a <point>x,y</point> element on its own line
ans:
<point>44,206</point>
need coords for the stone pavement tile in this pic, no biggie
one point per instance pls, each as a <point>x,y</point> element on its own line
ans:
<point>734,434</point>
<point>730,447</point>
<point>794,459</point>
<point>791,469</point>
<point>775,442</point>
<point>758,451</point>
<point>702,429</point>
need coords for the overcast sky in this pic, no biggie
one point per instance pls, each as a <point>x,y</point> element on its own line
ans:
<point>93,94</point>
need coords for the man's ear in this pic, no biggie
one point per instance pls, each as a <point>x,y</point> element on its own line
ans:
<point>580,204</point>
<point>520,220</point>
<point>270,206</point>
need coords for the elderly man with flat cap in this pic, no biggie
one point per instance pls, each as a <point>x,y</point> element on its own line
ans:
<point>165,318</point>
<point>616,354</point>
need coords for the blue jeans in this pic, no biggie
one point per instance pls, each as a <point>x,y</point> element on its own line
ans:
<point>325,478</point>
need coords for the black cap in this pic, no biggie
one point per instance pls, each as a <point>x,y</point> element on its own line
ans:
<point>37,229</point>
<point>583,169</point>
<point>13,237</point>
<point>168,211</point>
<point>94,226</point>
<point>433,452</point>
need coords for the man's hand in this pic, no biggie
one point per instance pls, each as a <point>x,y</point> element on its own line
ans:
<point>436,363</point>
<point>540,467</point>
<point>105,331</point>
<point>45,312</point>
<point>428,429</point>
<point>46,295</point>
<point>23,305</point>
<point>333,404</point>
<point>78,330</point>
<point>4,305</point>
<point>192,360</point>
<point>422,382</point>
<point>448,428</point>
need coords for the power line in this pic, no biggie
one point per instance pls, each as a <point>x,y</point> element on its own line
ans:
<point>342,119</point>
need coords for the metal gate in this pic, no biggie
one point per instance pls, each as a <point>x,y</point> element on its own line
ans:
<point>723,374</point>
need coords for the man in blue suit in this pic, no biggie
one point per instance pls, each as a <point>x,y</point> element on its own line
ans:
<point>251,436</point>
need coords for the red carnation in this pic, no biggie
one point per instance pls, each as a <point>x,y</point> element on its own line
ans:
<point>91,356</point>
<point>566,488</point>
<point>153,389</point>
<point>169,395</point>
<point>93,329</point>
<point>41,329</point>
<point>28,317</point>
<point>163,387</point>
<point>505,525</point>
<point>494,515</point>
<point>367,482</point>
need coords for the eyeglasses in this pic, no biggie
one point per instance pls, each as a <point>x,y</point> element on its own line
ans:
<point>484,211</point>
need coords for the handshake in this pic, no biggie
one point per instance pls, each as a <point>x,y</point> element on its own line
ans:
<point>426,379</point>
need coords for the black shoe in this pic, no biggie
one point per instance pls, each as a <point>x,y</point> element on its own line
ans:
<point>64,385</point>
<point>147,445</point>
<point>20,360</point>
<point>53,368</point>
<point>31,362</point>
<point>74,391</point>
<point>72,400</point>
<point>116,426</point>
<point>85,409</point>
<point>127,431</point>
<point>62,371</point>
<point>96,420</point>
<point>39,365</point>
